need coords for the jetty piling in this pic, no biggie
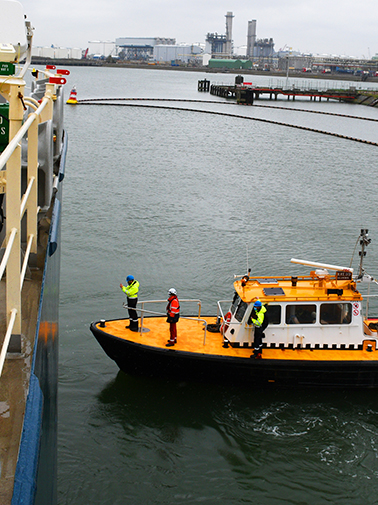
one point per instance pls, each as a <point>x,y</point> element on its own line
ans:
<point>204,85</point>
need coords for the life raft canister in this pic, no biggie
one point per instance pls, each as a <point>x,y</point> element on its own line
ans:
<point>226,323</point>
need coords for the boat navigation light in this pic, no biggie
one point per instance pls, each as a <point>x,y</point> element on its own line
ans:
<point>321,265</point>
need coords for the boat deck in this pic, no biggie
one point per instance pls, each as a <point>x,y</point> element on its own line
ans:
<point>15,382</point>
<point>190,338</point>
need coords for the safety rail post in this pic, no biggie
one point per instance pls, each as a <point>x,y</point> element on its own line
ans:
<point>32,202</point>
<point>13,192</point>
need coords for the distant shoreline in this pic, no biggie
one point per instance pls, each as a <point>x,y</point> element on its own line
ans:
<point>272,73</point>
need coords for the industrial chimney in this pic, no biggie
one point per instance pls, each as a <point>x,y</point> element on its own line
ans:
<point>251,38</point>
<point>228,45</point>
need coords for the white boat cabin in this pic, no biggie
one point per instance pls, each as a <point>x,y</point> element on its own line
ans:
<point>320,311</point>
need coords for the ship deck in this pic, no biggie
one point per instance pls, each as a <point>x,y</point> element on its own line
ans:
<point>15,382</point>
<point>190,338</point>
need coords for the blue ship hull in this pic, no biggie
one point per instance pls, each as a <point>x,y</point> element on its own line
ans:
<point>36,472</point>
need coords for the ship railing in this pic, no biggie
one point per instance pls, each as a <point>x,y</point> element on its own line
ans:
<point>12,88</point>
<point>144,311</point>
<point>220,314</point>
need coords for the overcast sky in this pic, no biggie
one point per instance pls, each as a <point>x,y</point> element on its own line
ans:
<point>339,27</point>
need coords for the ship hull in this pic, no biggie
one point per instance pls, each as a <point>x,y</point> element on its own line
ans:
<point>36,472</point>
<point>140,359</point>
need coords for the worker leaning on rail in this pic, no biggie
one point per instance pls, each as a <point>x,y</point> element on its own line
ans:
<point>131,291</point>
<point>259,319</point>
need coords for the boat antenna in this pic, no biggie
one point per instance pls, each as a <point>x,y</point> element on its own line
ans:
<point>247,256</point>
<point>364,242</point>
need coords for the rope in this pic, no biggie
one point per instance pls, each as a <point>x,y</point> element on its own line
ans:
<point>94,101</point>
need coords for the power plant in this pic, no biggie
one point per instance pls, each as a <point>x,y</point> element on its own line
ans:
<point>221,46</point>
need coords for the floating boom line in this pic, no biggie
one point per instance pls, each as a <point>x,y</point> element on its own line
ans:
<point>336,114</point>
<point>97,101</point>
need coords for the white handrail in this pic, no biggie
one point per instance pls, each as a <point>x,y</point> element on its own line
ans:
<point>15,142</point>
<point>8,249</point>
<point>26,196</point>
<point>26,258</point>
<point>164,315</point>
<point>7,337</point>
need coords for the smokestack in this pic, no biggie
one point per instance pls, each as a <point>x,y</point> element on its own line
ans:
<point>251,38</point>
<point>228,45</point>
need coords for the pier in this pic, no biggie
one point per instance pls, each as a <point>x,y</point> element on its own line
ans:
<point>246,93</point>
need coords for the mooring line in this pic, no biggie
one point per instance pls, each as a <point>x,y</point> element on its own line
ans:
<point>336,114</point>
<point>215,113</point>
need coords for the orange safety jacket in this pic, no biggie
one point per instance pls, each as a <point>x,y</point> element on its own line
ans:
<point>173,309</point>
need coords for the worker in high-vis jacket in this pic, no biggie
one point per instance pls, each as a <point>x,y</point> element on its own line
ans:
<point>173,315</point>
<point>259,319</point>
<point>131,291</point>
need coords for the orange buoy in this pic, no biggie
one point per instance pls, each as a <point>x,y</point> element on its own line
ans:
<point>73,97</point>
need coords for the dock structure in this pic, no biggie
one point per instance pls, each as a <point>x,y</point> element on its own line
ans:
<point>204,85</point>
<point>246,93</point>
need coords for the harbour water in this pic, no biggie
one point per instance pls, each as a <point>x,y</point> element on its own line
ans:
<point>186,200</point>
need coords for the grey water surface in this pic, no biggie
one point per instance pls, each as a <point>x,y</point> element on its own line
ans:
<point>186,200</point>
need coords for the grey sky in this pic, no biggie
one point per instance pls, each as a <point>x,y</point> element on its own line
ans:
<point>340,27</point>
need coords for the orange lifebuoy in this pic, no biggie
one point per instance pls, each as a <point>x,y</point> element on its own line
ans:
<point>225,325</point>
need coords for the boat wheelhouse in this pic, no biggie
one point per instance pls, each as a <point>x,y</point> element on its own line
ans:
<point>318,311</point>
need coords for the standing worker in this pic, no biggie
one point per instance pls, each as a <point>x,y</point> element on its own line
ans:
<point>173,313</point>
<point>259,319</point>
<point>131,291</point>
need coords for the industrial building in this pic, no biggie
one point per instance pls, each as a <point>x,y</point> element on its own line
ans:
<point>58,53</point>
<point>184,53</point>
<point>227,63</point>
<point>101,48</point>
<point>140,48</point>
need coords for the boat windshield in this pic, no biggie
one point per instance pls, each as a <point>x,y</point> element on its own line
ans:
<point>238,307</point>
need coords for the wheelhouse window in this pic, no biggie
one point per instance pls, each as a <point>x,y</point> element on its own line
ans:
<point>238,307</point>
<point>300,314</point>
<point>274,314</point>
<point>240,311</point>
<point>235,302</point>
<point>335,313</point>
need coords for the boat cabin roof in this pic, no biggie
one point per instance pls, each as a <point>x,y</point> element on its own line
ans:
<point>318,286</point>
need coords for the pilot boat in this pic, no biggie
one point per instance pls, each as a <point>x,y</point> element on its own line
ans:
<point>317,335</point>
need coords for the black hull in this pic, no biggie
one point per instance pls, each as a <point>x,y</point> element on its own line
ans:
<point>149,361</point>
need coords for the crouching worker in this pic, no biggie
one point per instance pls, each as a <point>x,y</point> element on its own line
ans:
<point>173,315</point>
<point>131,291</point>
<point>259,319</point>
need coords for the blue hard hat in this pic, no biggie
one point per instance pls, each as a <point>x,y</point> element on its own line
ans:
<point>257,304</point>
<point>129,278</point>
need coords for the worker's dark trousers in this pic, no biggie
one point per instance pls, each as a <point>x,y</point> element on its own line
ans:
<point>259,334</point>
<point>133,314</point>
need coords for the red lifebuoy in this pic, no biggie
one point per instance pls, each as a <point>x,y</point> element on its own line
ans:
<point>225,325</point>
